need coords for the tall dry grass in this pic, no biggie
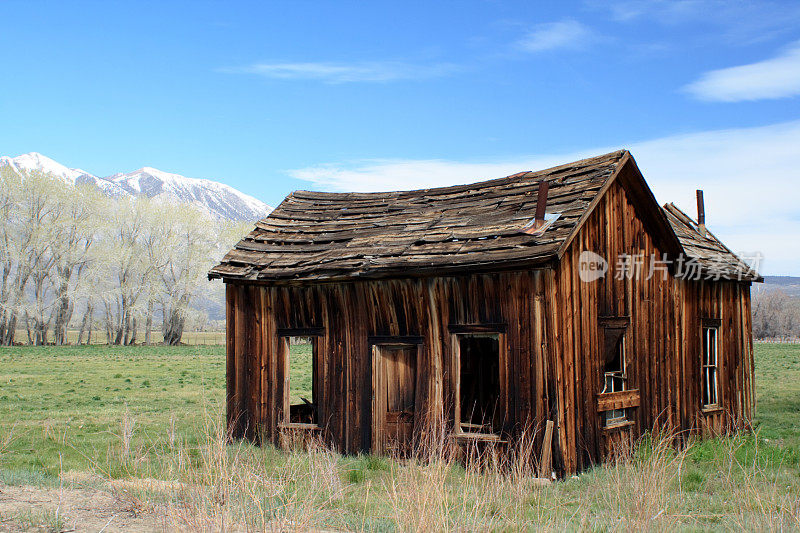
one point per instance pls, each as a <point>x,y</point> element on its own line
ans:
<point>220,485</point>
<point>232,487</point>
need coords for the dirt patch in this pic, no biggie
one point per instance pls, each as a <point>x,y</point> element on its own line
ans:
<point>26,508</point>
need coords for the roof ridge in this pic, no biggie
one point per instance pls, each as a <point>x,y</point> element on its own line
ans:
<point>680,214</point>
<point>301,193</point>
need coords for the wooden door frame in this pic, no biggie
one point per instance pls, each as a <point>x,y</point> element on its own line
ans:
<point>375,344</point>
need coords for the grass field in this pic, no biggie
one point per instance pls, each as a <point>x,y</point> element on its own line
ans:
<point>300,373</point>
<point>143,413</point>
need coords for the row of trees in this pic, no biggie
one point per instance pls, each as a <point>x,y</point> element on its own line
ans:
<point>70,255</point>
<point>776,315</point>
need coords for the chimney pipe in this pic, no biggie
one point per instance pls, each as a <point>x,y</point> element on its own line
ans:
<point>701,213</point>
<point>541,203</point>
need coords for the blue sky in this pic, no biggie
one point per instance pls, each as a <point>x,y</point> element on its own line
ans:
<point>272,97</point>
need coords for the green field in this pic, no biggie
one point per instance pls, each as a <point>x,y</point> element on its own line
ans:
<point>152,412</point>
<point>65,405</point>
<point>299,373</point>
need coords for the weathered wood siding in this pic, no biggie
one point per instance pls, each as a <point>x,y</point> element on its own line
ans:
<point>352,313</point>
<point>728,302</point>
<point>663,341</point>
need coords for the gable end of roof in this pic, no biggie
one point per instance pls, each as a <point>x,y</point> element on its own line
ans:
<point>630,177</point>
<point>713,257</point>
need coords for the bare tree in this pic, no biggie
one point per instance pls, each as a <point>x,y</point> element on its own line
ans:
<point>183,256</point>
<point>776,315</point>
<point>87,322</point>
<point>76,228</point>
<point>126,270</point>
<point>10,184</point>
<point>30,239</point>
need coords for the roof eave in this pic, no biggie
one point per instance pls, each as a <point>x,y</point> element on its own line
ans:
<point>541,262</point>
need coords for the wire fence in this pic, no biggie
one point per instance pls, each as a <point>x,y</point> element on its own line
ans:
<point>783,340</point>
<point>193,338</point>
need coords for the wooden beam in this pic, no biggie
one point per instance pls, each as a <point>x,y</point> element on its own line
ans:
<point>301,332</point>
<point>609,401</point>
<point>394,339</point>
<point>614,321</point>
<point>546,464</point>
<point>477,328</point>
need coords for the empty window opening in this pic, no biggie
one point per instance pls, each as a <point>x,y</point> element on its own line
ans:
<point>710,367</point>
<point>302,380</point>
<point>614,376</point>
<point>479,383</point>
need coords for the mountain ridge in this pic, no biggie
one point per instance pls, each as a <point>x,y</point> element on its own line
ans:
<point>789,285</point>
<point>215,198</point>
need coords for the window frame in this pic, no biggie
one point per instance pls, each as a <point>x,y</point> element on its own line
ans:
<point>477,330</point>
<point>616,417</point>
<point>707,368</point>
<point>622,374</point>
<point>284,353</point>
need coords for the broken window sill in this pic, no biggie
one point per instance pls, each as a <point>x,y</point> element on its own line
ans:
<point>712,409</point>
<point>484,437</point>
<point>618,425</point>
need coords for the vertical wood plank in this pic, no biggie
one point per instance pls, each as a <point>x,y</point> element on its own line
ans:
<point>232,411</point>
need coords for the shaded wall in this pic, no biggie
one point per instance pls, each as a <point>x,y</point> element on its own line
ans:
<point>663,340</point>
<point>350,314</point>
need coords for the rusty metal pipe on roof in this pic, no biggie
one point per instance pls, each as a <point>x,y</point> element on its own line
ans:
<point>701,213</point>
<point>541,203</point>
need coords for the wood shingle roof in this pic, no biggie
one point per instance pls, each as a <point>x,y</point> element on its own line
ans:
<point>713,257</point>
<point>479,226</point>
<point>314,235</point>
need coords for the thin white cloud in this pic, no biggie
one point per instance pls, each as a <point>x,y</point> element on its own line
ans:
<point>388,175</point>
<point>749,177</point>
<point>665,11</point>
<point>373,71</point>
<point>733,22</point>
<point>564,34</point>
<point>778,77</point>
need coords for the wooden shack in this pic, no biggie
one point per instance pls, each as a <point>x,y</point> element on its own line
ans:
<point>485,306</point>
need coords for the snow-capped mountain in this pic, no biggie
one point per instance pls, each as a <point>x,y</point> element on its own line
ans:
<point>217,199</point>
<point>70,176</point>
<point>34,161</point>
